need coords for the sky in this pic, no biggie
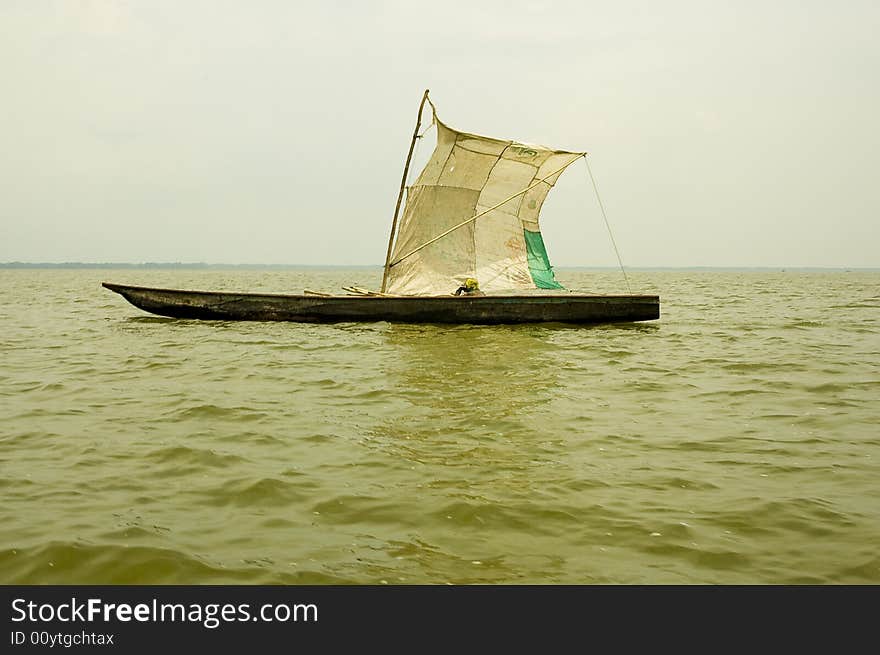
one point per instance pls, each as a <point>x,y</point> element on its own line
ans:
<point>275,132</point>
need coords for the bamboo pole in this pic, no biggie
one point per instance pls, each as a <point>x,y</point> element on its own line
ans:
<point>482,213</point>
<point>412,145</point>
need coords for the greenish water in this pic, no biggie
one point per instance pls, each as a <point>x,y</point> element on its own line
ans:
<point>734,441</point>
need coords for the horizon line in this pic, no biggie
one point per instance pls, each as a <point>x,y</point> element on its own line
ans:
<point>205,265</point>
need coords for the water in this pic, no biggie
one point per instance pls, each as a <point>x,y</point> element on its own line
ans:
<point>734,441</point>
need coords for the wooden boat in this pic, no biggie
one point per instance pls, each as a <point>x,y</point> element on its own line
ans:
<point>471,216</point>
<point>224,306</point>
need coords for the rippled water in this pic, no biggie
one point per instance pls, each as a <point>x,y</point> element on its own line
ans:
<point>734,441</point>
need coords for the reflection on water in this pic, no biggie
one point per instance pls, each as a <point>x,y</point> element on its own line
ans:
<point>474,386</point>
<point>495,370</point>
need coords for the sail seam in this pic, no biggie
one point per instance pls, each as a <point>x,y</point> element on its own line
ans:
<point>485,154</point>
<point>488,177</point>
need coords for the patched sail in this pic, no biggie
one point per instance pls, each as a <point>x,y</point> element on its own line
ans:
<point>501,183</point>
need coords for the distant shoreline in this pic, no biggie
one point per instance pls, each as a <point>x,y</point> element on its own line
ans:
<point>181,266</point>
<point>282,267</point>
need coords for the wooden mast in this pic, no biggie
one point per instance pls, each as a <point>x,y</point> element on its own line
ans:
<point>400,195</point>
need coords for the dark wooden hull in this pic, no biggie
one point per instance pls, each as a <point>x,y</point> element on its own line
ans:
<point>224,306</point>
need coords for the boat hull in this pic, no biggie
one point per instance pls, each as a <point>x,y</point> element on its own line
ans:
<point>225,306</point>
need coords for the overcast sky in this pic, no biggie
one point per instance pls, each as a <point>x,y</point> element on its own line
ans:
<point>275,132</point>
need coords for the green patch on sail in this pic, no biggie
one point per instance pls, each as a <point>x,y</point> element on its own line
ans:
<point>539,262</point>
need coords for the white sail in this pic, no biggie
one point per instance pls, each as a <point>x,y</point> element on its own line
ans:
<point>502,249</point>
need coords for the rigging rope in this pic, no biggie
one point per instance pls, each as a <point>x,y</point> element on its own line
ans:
<point>607,224</point>
<point>411,171</point>
<point>416,156</point>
